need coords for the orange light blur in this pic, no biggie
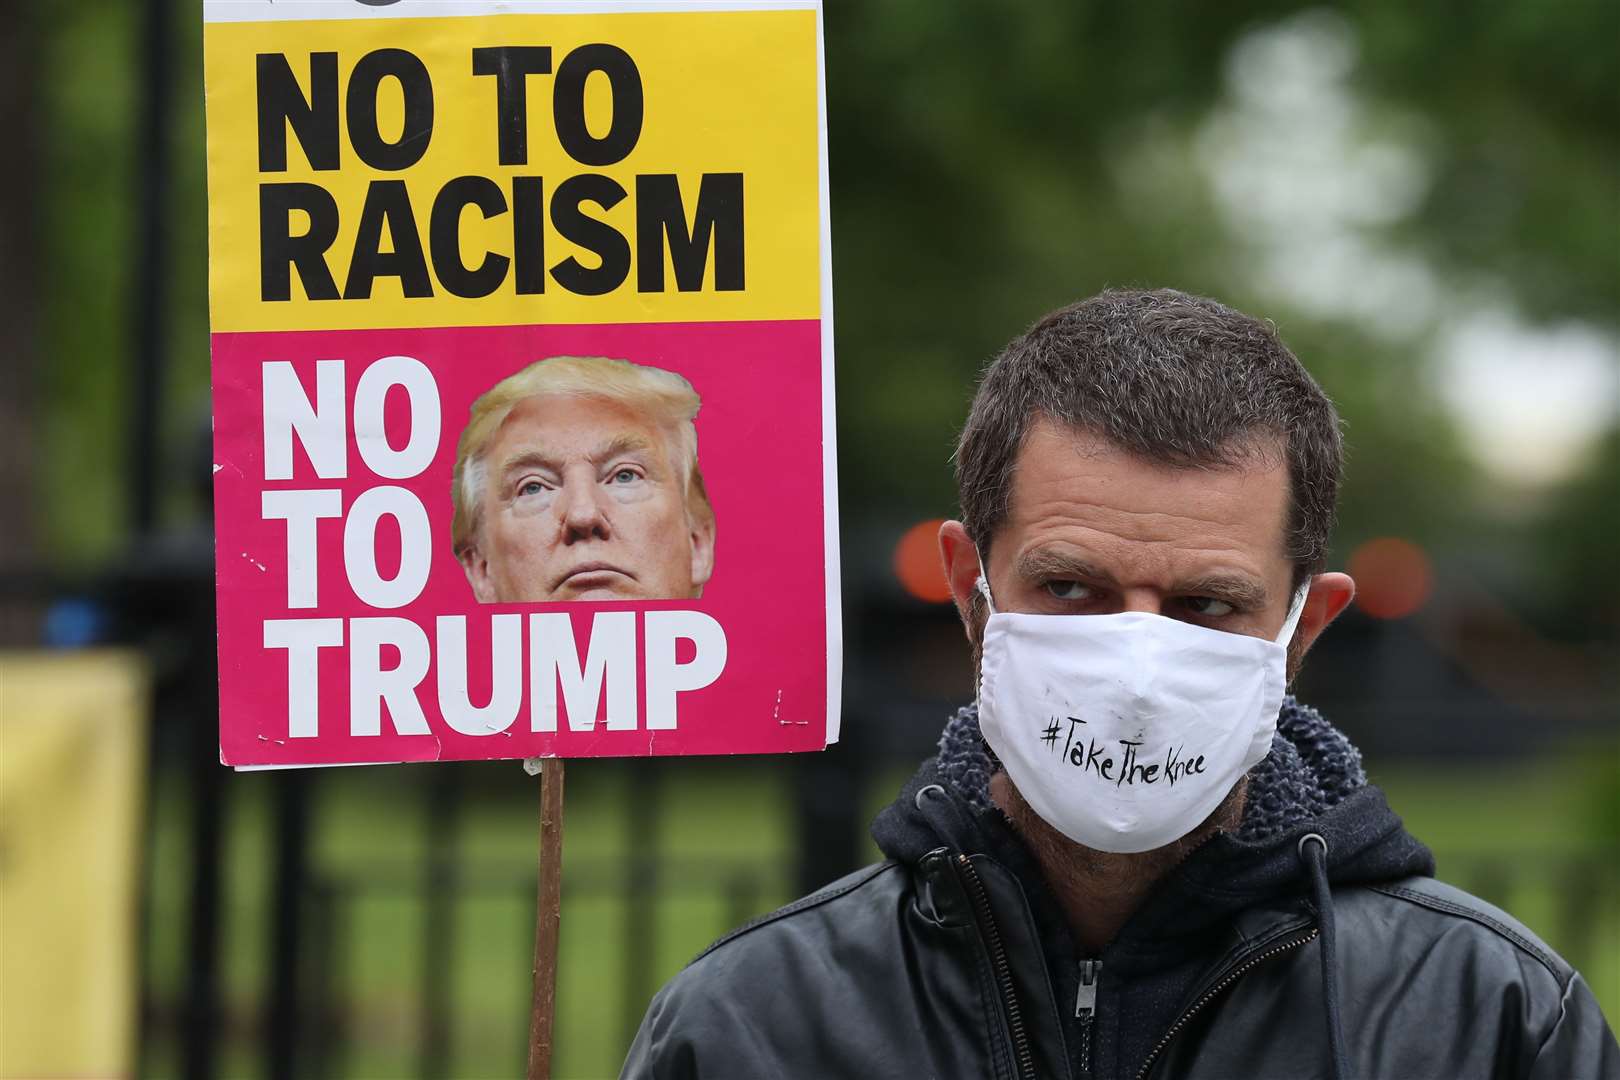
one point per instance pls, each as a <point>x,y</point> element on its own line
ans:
<point>917,563</point>
<point>1394,578</point>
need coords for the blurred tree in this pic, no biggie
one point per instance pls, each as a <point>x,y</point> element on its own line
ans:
<point>1523,106</point>
<point>86,271</point>
<point>20,239</point>
<point>990,163</point>
<point>989,167</point>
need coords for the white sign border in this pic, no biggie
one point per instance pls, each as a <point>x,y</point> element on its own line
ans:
<point>228,11</point>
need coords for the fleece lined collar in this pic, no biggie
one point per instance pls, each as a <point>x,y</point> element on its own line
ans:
<point>1312,781</point>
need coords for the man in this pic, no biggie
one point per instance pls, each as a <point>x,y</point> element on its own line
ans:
<point>577,479</point>
<point>1136,857</point>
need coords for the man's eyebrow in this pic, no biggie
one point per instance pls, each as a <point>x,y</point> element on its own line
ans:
<point>1235,589</point>
<point>1056,564</point>
<point>527,459</point>
<point>531,459</point>
<point>1241,592</point>
<point>624,444</point>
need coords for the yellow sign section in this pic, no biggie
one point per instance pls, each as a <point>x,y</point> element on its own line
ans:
<point>73,730</point>
<point>513,169</point>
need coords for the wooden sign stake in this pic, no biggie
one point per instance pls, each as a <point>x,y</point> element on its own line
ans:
<point>548,908</point>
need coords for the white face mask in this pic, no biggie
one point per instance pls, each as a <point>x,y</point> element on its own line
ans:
<point>1124,732</point>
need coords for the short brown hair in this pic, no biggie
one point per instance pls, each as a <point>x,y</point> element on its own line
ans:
<point>1172,378</point>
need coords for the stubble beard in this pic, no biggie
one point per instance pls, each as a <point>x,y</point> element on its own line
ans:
<point>1078,870</point>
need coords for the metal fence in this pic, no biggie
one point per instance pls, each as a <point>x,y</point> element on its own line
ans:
<point>305,1021</point>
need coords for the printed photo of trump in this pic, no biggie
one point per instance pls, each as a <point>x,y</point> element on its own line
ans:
<point>577,479</point>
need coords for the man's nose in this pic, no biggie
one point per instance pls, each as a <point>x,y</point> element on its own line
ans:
<point>1144,600</point>
<point>581,513</point>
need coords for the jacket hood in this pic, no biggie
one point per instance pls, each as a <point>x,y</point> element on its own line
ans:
<point>1311,782</point>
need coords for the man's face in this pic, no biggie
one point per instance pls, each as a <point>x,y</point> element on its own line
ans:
<point>583,500</point>
<point>1093,530</point>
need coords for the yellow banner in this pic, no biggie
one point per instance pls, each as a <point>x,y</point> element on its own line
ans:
<point>72,730</point>
<point>513,169</point>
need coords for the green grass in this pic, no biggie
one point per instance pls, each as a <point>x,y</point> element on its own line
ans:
<point>1524,821</point>
<point>734,816</point>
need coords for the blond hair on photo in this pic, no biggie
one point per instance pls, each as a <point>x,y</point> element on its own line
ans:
<point>667,398</point>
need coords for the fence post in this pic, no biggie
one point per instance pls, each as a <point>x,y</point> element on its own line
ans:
<point>283,1030</point>
<point>640,936</point>
<point>439,887</point>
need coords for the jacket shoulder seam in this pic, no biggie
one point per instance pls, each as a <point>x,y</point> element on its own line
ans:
<point>804,903</point>
<point>1436,903</point>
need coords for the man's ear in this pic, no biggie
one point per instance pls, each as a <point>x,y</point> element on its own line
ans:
<point>476,567</point>
<point>961,561</point>
<point>702,534</point>
<point>1329,595</point>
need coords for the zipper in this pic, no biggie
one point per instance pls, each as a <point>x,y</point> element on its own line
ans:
<point>1209,995</point>
<point>1085,1008</point>
<point>1023,1056</point>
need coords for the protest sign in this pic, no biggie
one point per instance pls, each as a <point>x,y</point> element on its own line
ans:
<point>522,379</point>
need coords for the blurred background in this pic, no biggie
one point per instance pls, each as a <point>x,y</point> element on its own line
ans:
<point>1424,198</point>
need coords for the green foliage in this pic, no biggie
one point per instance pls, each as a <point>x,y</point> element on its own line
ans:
<point>1523,106</point>
<point>88,223</point>
<point>987,166</point>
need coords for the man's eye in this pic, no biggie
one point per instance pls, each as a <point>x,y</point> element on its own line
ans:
<point>625,476</point>
<point>531,487</point>
<point>1068,590</point>
<point>1207,606</point>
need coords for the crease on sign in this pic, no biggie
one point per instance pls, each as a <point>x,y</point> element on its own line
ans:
<point>231,465</point>
<point>255,562</point>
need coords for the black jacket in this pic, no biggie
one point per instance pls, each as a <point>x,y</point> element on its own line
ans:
<point>952,959</point>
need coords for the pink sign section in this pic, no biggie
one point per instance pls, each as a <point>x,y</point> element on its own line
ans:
<point>349,630</point>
